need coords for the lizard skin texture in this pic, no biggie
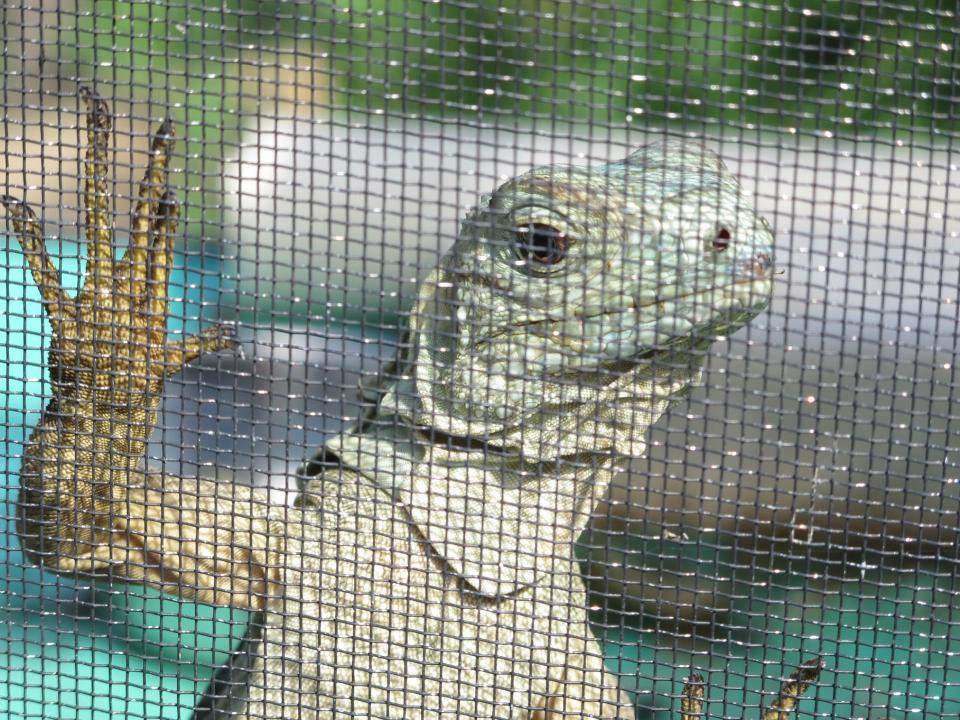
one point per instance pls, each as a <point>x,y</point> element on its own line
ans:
<point>427,569</point>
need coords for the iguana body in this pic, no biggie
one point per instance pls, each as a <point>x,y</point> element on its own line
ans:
<point>427,570</point>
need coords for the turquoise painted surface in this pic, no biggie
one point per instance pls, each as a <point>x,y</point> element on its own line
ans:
<point>72,649</point>
<point>889,637</point>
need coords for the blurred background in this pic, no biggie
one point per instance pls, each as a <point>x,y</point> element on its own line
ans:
<point>803,502</point>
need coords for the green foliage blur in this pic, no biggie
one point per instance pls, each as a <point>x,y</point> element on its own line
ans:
<point>838,66</point>
<point>831,66</point>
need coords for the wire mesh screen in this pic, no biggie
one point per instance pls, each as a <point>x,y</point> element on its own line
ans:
<point>536,359</point>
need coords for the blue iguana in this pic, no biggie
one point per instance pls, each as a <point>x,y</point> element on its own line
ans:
<point>427,569</point>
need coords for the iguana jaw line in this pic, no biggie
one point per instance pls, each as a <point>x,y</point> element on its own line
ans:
<point>634,305</point>
<point>567,345</point>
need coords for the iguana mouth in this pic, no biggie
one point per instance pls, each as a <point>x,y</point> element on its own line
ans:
<point>634,306</point>
<point>595,339</point>
<point>609,342</point>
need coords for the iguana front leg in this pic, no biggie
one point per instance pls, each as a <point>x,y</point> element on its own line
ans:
<point>86,504</point>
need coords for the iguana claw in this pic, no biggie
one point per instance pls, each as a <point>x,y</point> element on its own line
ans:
<point>793,688</point>
<point>122,304</point>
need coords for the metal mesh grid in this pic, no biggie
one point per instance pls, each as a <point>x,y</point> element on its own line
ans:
<point>798,503</point>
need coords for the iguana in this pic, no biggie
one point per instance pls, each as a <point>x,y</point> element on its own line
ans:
<point>426,570</point>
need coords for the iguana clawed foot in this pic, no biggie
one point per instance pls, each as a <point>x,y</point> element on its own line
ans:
<point>793,688</point>
<point>117,322</point>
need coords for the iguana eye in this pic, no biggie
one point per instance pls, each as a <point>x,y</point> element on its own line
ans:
<point>722,241</point>
<point>541,244</point>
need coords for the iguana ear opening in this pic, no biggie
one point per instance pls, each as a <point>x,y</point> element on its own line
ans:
<point>455,385</point>
<point>433,325</point>
<point>434,332</point>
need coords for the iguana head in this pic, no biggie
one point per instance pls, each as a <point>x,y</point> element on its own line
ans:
<point>571,282</point>
<point>573,309</point>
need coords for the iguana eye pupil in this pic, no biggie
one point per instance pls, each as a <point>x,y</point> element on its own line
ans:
<point>541,244</point>
<point>722,241</point>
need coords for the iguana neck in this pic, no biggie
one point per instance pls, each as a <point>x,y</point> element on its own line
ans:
<point>602,425</point>
<point>503,508</point>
